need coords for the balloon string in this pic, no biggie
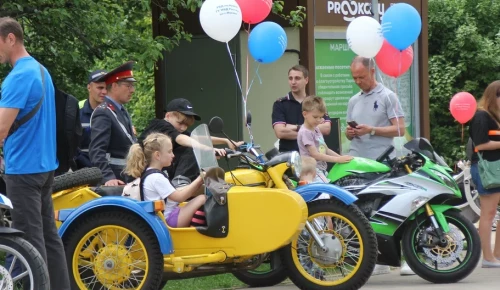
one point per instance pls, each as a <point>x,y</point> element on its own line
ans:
<point>247,88</point>
<point>400,60</point>
<point>397,108</point>
<point>253,79</point>
<point>462,133</point>
<point>234,66</point>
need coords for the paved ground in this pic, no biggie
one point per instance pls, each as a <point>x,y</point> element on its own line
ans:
<point>484,279</point>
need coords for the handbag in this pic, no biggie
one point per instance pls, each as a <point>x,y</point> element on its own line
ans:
<point>489,172</point>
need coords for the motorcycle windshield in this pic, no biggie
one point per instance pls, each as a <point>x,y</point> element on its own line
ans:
<point>203,148</point>
<point>424,147</point>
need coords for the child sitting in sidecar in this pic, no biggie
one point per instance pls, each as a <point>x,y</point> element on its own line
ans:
<point>153,154</point>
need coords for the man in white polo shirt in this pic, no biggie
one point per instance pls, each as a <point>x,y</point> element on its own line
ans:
<point>376,110</point>
<point>379,117</point>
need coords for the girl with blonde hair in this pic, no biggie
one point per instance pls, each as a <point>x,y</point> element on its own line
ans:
<point>155,152</point>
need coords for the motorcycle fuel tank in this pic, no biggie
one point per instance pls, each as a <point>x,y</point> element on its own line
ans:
<point>247,177</point>
<point>357,165</point>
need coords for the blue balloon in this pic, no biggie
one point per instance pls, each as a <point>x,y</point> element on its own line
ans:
<point>267,42</point>
<point>401,25</point>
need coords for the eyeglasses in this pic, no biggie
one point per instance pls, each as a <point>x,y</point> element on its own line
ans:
<point>128,85</point>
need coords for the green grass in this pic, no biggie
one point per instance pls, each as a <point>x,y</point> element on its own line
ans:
<point>221,281</point>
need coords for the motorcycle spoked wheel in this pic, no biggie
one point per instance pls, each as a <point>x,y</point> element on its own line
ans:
<point>425,262</point>
<point>26,259</point>
<point>270,273</point>
<point>113,250</point>
<point>351,243</point>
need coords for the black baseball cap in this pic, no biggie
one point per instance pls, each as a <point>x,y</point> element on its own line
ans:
<point>182,106</point>
<point>97,76</point>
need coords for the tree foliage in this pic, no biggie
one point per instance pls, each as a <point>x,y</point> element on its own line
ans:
<point>464,55</point>
<point>73,37</point>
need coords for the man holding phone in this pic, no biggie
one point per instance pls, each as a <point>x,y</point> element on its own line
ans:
<point>374,115</point>
<point>374,118</point>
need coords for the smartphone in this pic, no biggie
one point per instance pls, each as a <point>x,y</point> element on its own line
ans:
<point>353,124</point>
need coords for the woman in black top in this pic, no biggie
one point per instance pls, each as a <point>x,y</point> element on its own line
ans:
<point>487,118</point>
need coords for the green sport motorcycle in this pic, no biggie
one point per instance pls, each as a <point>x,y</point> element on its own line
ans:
<point>408,202</point>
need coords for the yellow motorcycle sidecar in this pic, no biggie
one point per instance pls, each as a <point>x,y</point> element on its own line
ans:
<point>260,220</point>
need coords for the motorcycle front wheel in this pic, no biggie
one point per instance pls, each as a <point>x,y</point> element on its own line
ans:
<point>23,267</point>
<point>350,253</point>
<point>442,264</point>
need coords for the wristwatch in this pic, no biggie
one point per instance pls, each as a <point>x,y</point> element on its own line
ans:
<point>298,128</point>
<point>373,131</point>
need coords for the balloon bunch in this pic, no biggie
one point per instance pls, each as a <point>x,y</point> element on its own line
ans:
<point>390,42</point>
<point>267,41</point>
<point>221,20</point>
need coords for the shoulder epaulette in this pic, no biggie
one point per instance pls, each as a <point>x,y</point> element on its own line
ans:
<point>285,98</point>
<point>101,106</point>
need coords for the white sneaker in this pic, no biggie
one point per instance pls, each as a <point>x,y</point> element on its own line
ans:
<point>406,270</point>
<point>381,269</point>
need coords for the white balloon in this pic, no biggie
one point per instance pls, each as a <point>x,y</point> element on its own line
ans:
<point>221,19</point>
<point>364,36</point>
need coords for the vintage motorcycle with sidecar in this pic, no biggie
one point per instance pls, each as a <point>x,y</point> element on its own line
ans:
<point>115,242</point>
<point>358,258</point>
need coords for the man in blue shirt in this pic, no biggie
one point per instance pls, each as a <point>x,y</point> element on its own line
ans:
<point>97,92</point>
<point>30,151</point>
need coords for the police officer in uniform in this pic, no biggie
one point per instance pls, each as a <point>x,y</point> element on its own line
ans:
<point>287,111</point>
<point>112,133</point>
<point>97,92</point>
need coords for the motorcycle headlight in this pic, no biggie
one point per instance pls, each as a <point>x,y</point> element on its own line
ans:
<point>446,179</point>
<point>295,163</point>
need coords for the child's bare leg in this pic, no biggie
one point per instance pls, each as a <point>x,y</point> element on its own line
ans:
<point>186,212</point>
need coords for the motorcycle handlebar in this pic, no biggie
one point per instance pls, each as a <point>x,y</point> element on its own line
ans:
<point>230,153</point>
<point>244,147</point>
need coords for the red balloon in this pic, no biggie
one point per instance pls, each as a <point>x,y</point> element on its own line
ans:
<point>463,107</point>
<point>392,61</point>
<point>254,11</point>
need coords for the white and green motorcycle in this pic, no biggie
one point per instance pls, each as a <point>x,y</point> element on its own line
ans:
<point>409,202</point>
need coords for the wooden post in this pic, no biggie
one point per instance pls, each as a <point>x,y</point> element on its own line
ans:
<point>375,10</point>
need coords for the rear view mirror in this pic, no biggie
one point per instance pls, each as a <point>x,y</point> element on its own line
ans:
<point>216,125</point>
<point>249,118</point>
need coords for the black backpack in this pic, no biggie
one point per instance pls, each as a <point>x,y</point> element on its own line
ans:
<point>68,130</point>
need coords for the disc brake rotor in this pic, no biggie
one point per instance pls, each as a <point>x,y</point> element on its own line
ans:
<point>6,281</point>
<point>446,256</point>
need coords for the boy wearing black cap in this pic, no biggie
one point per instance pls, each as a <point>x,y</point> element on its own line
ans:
<point>97,92</point>
<point>179,116</point>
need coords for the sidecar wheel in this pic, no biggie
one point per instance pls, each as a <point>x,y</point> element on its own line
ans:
<point>351,249</point>
<point>264,277</point>
<point>113,250</point>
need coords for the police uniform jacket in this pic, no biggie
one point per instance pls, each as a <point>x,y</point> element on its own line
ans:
<point>109,144</point>
<point>287,110</point>
<point>83,158</point>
